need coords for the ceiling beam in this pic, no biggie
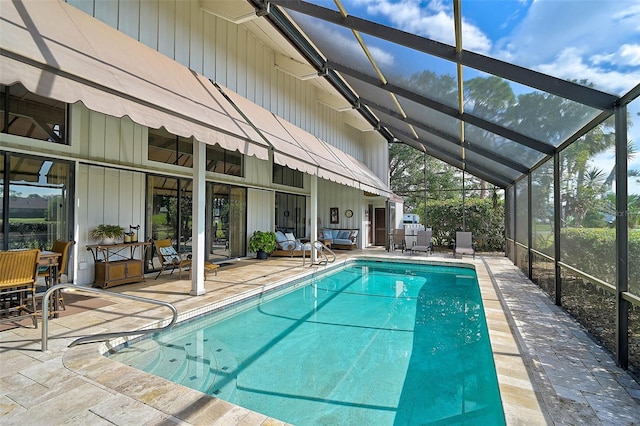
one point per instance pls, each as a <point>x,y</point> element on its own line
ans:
<point>563,88</point>
<point>516,137</point>
<point>483,173</point>
<point>453,140</point>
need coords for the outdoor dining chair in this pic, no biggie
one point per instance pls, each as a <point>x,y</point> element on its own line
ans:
<point>63,248</point>
<point>18,278</point>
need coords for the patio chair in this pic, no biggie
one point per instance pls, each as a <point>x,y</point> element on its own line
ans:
<point>398,240</point>
<point>18,278</point>
<point>63,248</point>
<point>464,244</point>
<point>423,242</point>
<point>169,257</point>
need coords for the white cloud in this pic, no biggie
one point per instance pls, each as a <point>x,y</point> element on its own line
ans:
<point>583,40</point>
<point>434,21</point>
<point>570,64</point>
<point>626,55</point>
<point>349,46</point>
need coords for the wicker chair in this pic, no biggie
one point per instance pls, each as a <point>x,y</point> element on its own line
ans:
<point>18,277</point>
<point>61,247</point>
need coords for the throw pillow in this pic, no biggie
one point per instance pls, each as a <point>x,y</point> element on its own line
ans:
<point>343,235</point>
<point>170,255</point>
<point>280,238</point>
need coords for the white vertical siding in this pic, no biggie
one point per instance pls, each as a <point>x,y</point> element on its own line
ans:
<point>261,205</point>
<point>107,12</point>
<point>110,139</point>
<point>167,28</point>
<point>149,12</point>
<point>110,196</point>
<point>196,40</point>
<point>182,32</point>
<point>129,18</point>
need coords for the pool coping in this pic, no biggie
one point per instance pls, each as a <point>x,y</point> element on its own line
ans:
<point>521,402</point>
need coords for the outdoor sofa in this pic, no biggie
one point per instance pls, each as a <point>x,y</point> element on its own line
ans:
<point>345,239</point>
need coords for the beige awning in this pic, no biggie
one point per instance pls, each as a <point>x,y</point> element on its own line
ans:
<point>60,52</point>
<point>298,149</point>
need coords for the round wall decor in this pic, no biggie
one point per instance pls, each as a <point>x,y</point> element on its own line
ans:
<point>348,213</point>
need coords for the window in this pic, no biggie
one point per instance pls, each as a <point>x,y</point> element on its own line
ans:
<point>286,176</point>
<point>35,201</point>
<point>167,148</point>
<point>220,160</point>
<point>226,221</point>
<point>25,114</point>
<point>170,214</point>
<point>291,211</point>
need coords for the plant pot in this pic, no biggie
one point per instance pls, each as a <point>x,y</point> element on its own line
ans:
<point>261,254</point>
<point>108,240</point>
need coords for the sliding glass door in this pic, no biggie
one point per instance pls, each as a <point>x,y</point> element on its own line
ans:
<point>227,221</point>
<point>169,214</point>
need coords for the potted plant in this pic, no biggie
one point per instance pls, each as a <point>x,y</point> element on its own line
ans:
<point>262,243</point>
<point>107,233</point>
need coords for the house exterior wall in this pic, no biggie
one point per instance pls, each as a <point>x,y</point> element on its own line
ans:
<point>233,56</point>
<point>111,153</point>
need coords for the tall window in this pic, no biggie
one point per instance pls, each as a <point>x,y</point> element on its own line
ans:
<point>286,176</point>
<point>25,114</point>
<point>227,221</point>
<point>35,201</point>
<point>170,213</point>
<point>291,213</point>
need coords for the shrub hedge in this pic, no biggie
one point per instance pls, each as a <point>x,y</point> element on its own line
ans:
<point>593,250</point>
<point>484,219</point>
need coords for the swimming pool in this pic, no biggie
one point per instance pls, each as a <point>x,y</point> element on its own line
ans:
<point>370,343</point>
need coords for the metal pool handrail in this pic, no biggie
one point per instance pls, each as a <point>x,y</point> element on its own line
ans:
<point>320,250</point>
<point>101,336</point>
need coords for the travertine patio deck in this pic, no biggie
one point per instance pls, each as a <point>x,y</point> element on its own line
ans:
<point>550,371</point>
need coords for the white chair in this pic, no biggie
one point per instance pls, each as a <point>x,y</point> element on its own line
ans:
<point>464,244</point>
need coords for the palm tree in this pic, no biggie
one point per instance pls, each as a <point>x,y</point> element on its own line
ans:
<point>631,153</point>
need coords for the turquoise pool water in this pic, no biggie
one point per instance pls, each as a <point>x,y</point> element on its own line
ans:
<point>369,344</point>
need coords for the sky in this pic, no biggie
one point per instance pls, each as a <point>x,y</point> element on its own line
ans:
<point>596,40</point>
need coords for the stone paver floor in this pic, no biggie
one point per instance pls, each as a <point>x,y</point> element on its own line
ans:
<point>549,370</point>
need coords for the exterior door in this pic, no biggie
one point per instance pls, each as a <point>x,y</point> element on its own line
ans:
<point>368,220</point>
<point>227,224</point>
<point>379,224</point>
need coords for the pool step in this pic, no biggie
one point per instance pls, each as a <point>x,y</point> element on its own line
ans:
<point>224,371</point>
